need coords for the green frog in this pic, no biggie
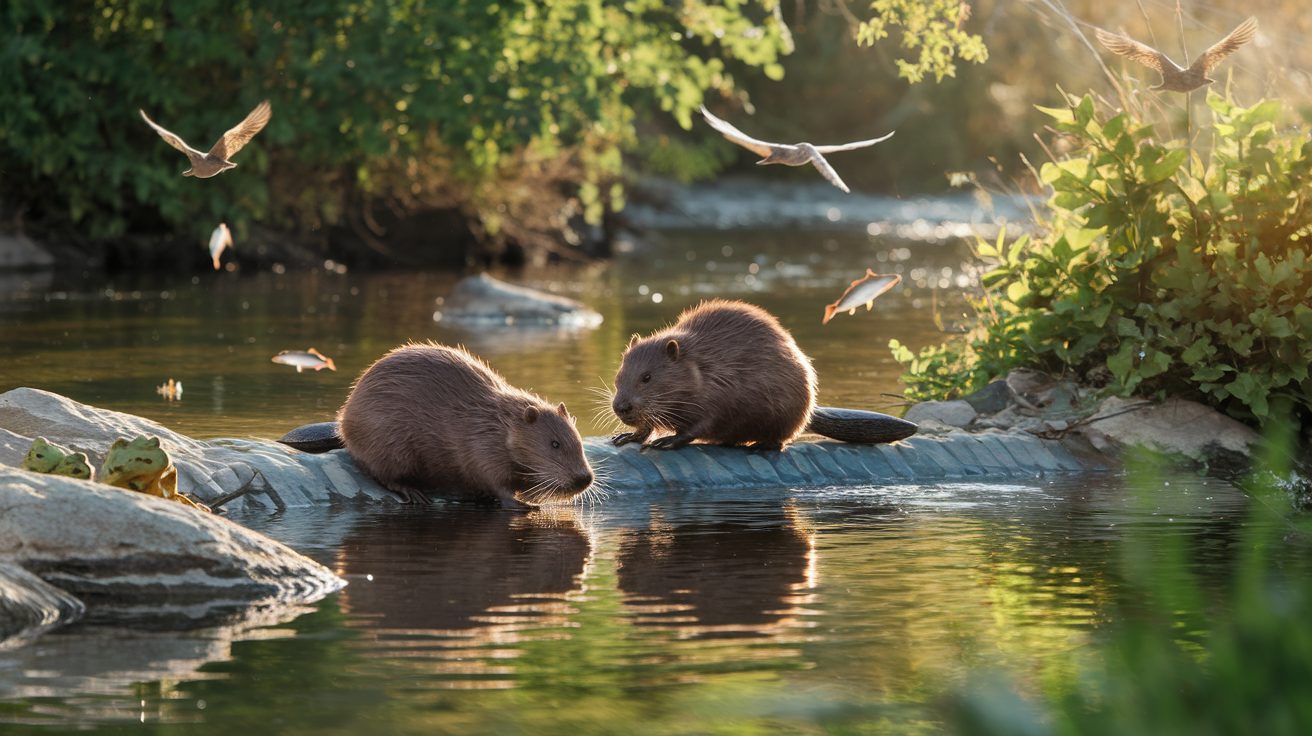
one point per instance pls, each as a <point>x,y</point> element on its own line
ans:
<point>46,457</point>
<point>142,465</point>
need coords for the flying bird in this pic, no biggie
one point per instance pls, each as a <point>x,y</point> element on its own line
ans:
<point>797,154</point>
<point>205,165</point>
<point>1174,77</point>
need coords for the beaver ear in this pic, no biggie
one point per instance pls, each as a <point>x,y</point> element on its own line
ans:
<point>530,414</point>
<point>560,409</point>
<point>633,339</point>
<point>672,350</point>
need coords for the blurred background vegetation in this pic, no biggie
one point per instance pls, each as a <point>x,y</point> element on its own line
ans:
<point>456,131</point>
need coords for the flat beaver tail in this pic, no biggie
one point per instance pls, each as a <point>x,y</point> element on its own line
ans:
<point>316,438</point>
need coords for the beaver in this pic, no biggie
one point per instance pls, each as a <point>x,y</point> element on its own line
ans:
<point>726,372</point>
<point>426,416</point>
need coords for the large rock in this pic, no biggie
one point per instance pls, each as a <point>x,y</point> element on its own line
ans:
<point>18,251</point>
<point>243,473</point>
<point>116,547</point>
<point>485,301</point>
<point>1174,426</point>
<point>29,605</point>
<point>957,413</point>
<point>255,474</point>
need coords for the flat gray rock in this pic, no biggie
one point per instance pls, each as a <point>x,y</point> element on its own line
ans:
<point>484,300</point>
<point>957,413</point>
<point>1174,426</point>
<point>115,547</point>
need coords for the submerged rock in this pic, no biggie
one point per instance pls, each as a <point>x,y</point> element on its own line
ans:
<point>485,301</point>
<point>29,605</point>
<point>108,545</point>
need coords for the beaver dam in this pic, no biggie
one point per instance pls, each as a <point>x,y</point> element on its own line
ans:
<point>794,606</point>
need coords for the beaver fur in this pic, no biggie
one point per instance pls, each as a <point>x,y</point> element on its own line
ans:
<point>427,417</point>
<point>726,372</point>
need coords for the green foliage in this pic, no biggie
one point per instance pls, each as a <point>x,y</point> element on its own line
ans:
<point>490,107</point>
<point>1176,662</point>
<point>1160,270</point>
<point>931,32</point>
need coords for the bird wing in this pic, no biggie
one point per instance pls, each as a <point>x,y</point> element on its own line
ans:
<point>1131,49</point>
<point>828,172</point>
<point>243,132</point>
<point>760,148</point>
<point>1242,34</point>
<point>169,137</point>
<point>854,145</point>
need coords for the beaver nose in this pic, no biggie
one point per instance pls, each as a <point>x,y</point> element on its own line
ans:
<point>621,407</point>
<point>583,480</point>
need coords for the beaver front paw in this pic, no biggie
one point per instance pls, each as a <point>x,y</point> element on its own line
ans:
<point>672,442</point>
<point>623,438</point>
<point>410,495</point>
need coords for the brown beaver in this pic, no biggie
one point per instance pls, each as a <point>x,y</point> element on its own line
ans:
<point>726,372</point>
<point>430,417</point>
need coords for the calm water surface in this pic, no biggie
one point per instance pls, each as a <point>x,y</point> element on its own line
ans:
<point>791,610</point>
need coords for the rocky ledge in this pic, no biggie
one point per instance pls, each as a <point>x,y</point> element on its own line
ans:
<point>259,474</point>
<point>66,542</point>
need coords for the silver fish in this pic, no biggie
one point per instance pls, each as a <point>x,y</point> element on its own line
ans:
<point>171,390</point>
<point>862,291</point>
<point>219,239</point>
<point>302,359</point>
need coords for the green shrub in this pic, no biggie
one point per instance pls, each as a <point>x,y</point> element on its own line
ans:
<point>505,110</point>
<point>1155,268</point>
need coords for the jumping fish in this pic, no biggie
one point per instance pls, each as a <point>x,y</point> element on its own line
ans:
<point>171,390</point>
<point>862,291</point>
<point>219,239</point>
<point>789,154</point>
<point>1176,78</point>
<point>215,161</point>
<point>302,359</point>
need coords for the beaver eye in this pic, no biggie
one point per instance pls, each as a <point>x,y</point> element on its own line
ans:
<point>555,444</point>
<point>646,377</point>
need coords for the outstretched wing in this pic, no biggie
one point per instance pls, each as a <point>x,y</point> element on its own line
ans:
<point>1242,34</point>
<point>1131,49</point>
<point>854,145</point>
<point>239,136</point>
<point>760,148</point>
<point>169,137</point>
<point>828,172</point>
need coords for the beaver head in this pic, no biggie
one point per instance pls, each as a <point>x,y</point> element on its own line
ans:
<point>548,454</point>
<point>657,383</point>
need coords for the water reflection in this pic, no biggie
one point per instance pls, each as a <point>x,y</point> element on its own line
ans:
<point>720,578</point>
<point>461,590</point>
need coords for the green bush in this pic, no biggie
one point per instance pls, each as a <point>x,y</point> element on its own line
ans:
<point>514,112</point>
<point>1154,268</point>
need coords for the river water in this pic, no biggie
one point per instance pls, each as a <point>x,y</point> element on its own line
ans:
<point>792,610</point>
